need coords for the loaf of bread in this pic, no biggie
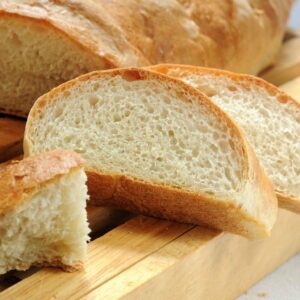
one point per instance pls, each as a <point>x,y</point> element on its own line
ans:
<point>269,117</point>
<point>43,220</point>
<point>44,43</point>
<point>157,146</point>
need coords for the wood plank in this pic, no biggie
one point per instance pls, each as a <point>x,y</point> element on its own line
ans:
<point>101,220</point>
<point>287,66</point>
<point>108,256</point>
<point>292,87</point>
<point>125,263</point>
<point>203,264</point>
<point>11,137</point>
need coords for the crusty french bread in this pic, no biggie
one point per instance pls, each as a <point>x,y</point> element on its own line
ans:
<point>155,145</point>
<point>269,117</point>
<point>44,43</point>
<point>43,220</point>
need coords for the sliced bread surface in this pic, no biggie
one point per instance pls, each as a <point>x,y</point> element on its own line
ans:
<point>43,220</point>
<point>268,116</point>
<point>155,145</point>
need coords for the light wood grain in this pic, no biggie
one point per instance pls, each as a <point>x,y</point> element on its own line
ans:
<point>287,66</point>
<point>152,259</point>
<point>203,264</point>
<point>100,220</point>
<point>11,137</point>
<point>108,256</point>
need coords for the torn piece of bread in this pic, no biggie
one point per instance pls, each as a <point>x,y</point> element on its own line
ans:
<point>43,220</point>
<point>268,116</point>
<point>155,145</point>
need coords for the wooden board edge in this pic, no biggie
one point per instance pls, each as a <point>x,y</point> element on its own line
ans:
<point>221,268</point>
<point>108,256</point>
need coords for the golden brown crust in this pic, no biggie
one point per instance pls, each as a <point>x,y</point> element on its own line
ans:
<point>21,179</point>
<point>178,71</point>
<point>137,33</point>
<point>288,202</point>
<point>180,205</point>
<point>83,23</point>
<point>242,79</point>
<point>172,203</point>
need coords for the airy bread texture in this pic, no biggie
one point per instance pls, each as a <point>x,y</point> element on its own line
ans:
<point>43,220</point>
<point>44,43</point>
<point>36,58</point>
<point>268,116</point>
<point>155,145</point>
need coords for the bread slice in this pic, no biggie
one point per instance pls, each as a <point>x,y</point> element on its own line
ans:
<point>43,220</point>
<point>268,116</point>
<point>155,145</point>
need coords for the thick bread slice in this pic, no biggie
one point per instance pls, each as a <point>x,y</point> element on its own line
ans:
<point>43,220</point>
<point>155,145</point>
<point>44,43</point>
<point>268,116</point>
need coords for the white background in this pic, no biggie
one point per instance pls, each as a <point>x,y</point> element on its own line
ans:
<point>284,283</point>
<point>295,16</point>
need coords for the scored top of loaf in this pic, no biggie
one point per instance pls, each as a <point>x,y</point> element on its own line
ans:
<point>21,179</point>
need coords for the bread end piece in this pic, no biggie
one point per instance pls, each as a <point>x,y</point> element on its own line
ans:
<point>43,220</point>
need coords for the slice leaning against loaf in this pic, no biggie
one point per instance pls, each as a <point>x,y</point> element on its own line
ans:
<point>269,117</point>
<point>43,220</point>
<point>155,145</point>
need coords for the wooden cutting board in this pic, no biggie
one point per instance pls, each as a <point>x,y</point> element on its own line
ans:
<point>148,258</point>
